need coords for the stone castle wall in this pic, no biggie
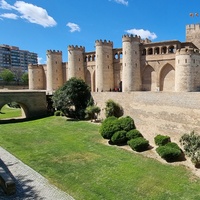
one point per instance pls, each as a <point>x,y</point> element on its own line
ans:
<point>155,113</point>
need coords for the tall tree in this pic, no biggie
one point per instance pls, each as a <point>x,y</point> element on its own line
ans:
<point>72,98</point>
<point>24,78</point>
<point>7,75</point>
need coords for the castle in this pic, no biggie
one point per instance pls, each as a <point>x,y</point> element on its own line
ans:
<point>140,65</point>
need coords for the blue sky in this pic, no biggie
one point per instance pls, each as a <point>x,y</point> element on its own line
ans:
<point>40,25</point>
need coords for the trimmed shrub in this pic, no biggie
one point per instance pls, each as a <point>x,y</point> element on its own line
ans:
<point>58,113</point>
<point>173,145</point>
<point>119,137</point>
<point>132,134</point>
<point>168,153</point>
<point>92,112</point>
<point>138,144</point>
<point>113,109</point>
<point>161,140</point>
<point>109,127</point>
<point>108,119</point>
<point>126,123</point>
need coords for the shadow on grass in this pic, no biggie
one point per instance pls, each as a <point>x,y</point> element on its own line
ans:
<point>24,190</point>
<point>17,120</point>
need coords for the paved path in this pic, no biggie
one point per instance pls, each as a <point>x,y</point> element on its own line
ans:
<point>30,184</point>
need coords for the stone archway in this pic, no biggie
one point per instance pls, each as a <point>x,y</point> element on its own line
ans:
<point>33,103</point>
<point>23,109</point>
<point>149,79</point>
<point>167,78</point>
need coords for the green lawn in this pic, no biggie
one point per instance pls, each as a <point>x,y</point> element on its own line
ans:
<point>72,156</point>
<point>7,112</point>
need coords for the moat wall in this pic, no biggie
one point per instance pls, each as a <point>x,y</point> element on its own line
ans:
<point>155,113</point>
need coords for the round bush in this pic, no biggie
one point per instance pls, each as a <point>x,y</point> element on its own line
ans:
<point>58,113</point>
<point>173,145</point>
<point>126,123</point>
<point>119,137</point>
<point>109,119</point>
<point>108,128</point>
<point>132,134</point>
<point>168,153</point>
<point>139,144</point>
<point>161,140</point>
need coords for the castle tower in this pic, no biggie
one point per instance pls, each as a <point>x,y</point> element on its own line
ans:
<point>76,62</point>
<point>184,75</point>
<point>131,77</point>
<point>193,34</point>
<point>36,77</point>
<point>104,66</point>
<point>54,70</point>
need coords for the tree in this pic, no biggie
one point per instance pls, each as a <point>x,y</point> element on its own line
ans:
<point>24,78</point>
<point>18,74</point>
<point>72,98</point>
<point>7,75</point>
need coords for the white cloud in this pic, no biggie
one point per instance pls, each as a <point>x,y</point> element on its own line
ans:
<point>39,60</point>
<point>142,33</point>
<point>30,12</point>
<point>73,27</point>
<point>5,5</point>
<point>9,15</point>
<point>124,2</point>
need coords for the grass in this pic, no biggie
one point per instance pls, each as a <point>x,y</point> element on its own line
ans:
<point>71,155</point>
<point>8,112</point>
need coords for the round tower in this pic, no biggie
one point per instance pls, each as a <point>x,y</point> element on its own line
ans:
<point>184,76</point>
<point>76,62</point>
<point>54,70</point>
<point>36,77</point>
<point>131,77</point>
<point>104,66</point>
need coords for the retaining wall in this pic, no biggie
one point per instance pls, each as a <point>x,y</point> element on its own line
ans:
<point>157,112</point>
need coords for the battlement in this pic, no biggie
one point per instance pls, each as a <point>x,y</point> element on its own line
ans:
<point>193,27</point>
<point>77,48</point>
<point>187,51</point>
<point>35,66</point>
<point>131,38</point>
<point>100,43</point>
<point>54,52</point>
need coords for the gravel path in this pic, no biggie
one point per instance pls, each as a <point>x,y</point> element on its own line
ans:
<point>30,185</point>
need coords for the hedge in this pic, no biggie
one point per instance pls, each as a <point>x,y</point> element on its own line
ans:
<point>161,140</point>
<point>119,137</point>
<point>132,134</point>
<point>168,153</point>
<point>138,144</point>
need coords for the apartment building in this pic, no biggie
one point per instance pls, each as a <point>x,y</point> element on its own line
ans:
<point>11,57</point>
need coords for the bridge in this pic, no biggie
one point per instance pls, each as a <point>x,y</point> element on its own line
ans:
<point>33,103</point>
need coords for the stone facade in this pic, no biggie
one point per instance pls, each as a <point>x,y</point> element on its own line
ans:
<point>140,65</point>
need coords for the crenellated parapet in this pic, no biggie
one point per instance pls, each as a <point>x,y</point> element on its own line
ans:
<point>131,38</point>
<point>76,48</point>
<point>54,52</point>
<point>193,26</point>
<point>103,43</point>
<point>187,51</point>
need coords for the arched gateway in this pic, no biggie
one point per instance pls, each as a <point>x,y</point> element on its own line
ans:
<point>33,103</point>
